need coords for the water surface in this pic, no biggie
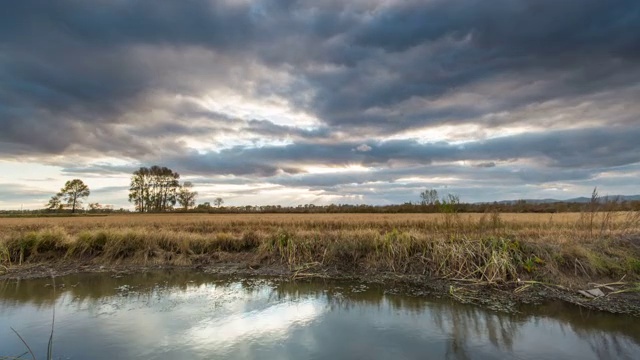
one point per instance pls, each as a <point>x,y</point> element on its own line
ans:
<point>189,315</point>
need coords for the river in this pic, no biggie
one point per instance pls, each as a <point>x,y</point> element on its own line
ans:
<point>190,315</point>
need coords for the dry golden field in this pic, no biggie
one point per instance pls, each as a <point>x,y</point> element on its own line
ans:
<point>483,247</point>
<point>540,222</point>
<point>533,226</point>
<point>177,218</point>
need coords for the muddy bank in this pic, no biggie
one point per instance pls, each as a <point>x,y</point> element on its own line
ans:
<point>505,297</point>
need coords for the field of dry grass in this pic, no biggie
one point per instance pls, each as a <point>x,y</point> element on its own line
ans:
<point>176,218</point>
<point>490,248</point>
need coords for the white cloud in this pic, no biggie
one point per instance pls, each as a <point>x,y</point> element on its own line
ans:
<point>364,148</point>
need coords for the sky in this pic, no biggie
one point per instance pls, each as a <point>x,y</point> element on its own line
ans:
<point>319,102</point>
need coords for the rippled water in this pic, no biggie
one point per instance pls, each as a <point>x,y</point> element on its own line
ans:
<point>188,315</point>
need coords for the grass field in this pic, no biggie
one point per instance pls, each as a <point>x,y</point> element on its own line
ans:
<point>490,247</point>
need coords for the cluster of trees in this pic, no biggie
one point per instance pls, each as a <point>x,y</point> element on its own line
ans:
<point>206,206</point>
<point>447,204</point>
<point>429,197</point>
<point>158,189</point>
<point>99,208</point>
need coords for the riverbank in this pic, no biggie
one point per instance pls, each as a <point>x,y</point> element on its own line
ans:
<point>506,297</point>
<point>494,260</point>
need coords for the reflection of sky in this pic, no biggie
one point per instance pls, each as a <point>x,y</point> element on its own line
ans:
<point>273,322</point>
<point>229,322</point>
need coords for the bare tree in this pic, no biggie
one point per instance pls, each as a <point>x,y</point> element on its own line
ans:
<point>218,202</point>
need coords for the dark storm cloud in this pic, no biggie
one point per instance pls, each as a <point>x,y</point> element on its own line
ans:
<point>212,23</point>
<point>431,176</point>
<point>66,63</point>
<point>566,153</point>
<point>540,27</point>
<point>119,78</point>
<point>417,49</point>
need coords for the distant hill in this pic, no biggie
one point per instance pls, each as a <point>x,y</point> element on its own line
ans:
<point>580,200</point>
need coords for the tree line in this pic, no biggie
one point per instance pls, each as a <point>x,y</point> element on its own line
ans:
<point>158,189</point>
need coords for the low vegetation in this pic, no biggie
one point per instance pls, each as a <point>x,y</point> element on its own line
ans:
<point>491,248</point>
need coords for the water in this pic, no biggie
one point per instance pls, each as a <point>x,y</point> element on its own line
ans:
<point>188,315</point>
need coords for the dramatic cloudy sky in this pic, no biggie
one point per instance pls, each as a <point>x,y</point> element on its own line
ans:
<point>294,102</point>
